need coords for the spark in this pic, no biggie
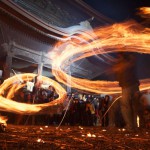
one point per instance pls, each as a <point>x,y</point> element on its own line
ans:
<point>39,140</point>
<point>93,135</point>
<point>138,121</point>
<point>41,128</point>
<point>123,129</point>
<point>136,135</point>
<point>89,135</point>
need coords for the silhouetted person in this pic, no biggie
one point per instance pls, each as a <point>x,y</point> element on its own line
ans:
<point>125,70</point>
<point>104,108</point>
<point>51,92</point>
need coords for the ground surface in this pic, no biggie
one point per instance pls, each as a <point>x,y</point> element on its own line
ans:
<point>72,138</point>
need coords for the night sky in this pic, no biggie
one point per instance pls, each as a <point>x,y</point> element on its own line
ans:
<point>118,10</point>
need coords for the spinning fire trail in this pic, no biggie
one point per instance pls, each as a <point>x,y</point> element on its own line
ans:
<point>125,37</point>
<point>6,104</point>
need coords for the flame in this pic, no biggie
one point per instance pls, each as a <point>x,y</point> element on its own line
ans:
<point>89,135</point>
<point>3,120</point>
<point>9,86</point>
<point>145,10</point>
<point>124,37</point>
<point>138,121</point>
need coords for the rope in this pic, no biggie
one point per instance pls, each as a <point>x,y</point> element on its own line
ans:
<point>64,114</point>
<point>110,106</point>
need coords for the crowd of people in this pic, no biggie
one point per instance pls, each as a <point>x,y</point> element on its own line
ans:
<point>89,109</point>
<point>77,109</point>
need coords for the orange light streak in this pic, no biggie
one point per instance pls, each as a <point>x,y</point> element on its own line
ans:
<point>124,37</point>
<point>145,11</point>
<point>23,108</point>
<point>3,120</point>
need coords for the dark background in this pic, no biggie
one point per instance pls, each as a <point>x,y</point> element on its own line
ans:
<point>118,10</point>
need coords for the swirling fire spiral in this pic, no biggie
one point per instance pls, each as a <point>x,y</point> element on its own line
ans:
<point>123,37</point>
<point>12,85</point>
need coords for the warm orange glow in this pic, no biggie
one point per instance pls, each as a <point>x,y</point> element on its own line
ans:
<point>3,120</point>
<point>145,10</point>
<point>89,135</point>
<point>124,37</point>
<point>11,86</point>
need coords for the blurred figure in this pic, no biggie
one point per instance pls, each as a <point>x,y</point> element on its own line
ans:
<point>76,112</point>
<point>82,112</point>
<point>51,92</point>
<point>115,116</point>
<point>67,104</point>
<point>145,100</point>
<point>90,113</point>
<point>147,118</point>
<point>104,108</point>
<point>0,81</point>
<point>21,98</point>
<point>36,88</point>
<point>29,119</point>
<point>125,70</point>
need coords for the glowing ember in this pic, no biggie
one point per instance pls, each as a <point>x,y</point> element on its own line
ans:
<point>93,135</point>
<point>136,135</point>
<point>138,121</point>
<point>80,127</point>
<point>89,135</point>
<point>123,129</point>
<point>100,136</point>
<point>38,140</point>
<point>41,128</point>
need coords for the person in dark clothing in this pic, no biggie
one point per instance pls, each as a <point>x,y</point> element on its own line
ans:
<point>82,112</point>
<point>104,108</point>
<point>51,92</point>
<point>36,88</point>
<point>21,98</point>
<point>76,111</point>
<point>125,70</point>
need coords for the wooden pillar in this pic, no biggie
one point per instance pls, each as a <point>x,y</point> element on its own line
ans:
<point>8,61</point>
<point>40,66</point>
<point>69,81</point>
